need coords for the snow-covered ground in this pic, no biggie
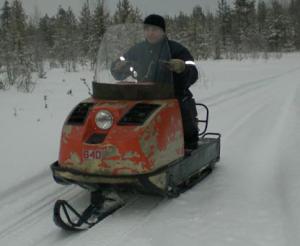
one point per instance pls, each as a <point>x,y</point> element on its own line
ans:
<point>252,198</point>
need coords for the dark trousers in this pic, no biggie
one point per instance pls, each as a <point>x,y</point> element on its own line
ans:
<point>189,120</point>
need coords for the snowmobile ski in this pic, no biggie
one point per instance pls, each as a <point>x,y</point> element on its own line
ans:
<point>69,219</point>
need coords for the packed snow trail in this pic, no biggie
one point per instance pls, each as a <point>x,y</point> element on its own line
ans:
<point>252,197</point>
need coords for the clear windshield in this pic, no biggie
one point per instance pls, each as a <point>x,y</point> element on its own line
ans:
<point>125,55</point>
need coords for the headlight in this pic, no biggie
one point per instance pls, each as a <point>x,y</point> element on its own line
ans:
<point>104,119</point>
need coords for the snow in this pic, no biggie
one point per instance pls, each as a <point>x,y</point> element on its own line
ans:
<point>252,197</point>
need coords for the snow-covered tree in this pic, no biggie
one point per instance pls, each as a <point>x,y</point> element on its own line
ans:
<point>293,11</point>
<point>224,23</point>
<point>245,35</point>
<point>66,39</point>
<point>197,33</point>
<point>125,12</point>
<point>280,31</point>
<point>6,44</point>
<point>46,29</point>
<point>85,32</point>
<point>100,21</point>
<point>16,55</point>
<point>36,47</point>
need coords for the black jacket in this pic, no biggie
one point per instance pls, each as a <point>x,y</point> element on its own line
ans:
<point>189,76</point>
<point>143,54</point>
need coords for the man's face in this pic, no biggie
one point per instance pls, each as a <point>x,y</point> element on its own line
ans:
<point>153,34</point>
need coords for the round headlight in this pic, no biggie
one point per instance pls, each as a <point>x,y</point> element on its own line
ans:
<point>104,119</point>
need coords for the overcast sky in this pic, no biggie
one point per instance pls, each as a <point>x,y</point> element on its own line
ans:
<point>163,7</point>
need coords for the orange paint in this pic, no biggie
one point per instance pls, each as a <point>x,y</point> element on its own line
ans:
<point>126,149</point>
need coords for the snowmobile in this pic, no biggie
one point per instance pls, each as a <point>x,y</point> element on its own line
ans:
<point>128,136</point>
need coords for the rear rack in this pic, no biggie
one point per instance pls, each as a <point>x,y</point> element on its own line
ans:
<point>205,121</point>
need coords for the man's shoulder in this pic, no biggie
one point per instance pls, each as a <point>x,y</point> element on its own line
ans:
<point>139,45</point>
<point>176,47</point>
<point>136,49</point>
<point>173,43</point>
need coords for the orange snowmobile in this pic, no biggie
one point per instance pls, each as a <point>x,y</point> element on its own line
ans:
<point>128,135</point>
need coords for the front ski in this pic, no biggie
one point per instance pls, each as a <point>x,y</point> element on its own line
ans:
<point>67,218</point>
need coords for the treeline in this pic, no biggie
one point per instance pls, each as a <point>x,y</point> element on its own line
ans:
<point>248,28</point>
<point>66,40</point>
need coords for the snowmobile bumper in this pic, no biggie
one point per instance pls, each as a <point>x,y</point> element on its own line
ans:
<point>159,182</point>
<point>152,183</point>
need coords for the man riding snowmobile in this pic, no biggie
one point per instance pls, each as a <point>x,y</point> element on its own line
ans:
<point>129,135</point>
<point>181,64</point>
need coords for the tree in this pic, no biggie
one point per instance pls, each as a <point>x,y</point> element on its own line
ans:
<point>6,42</point>
<point>100,21</point>
<point>280,34</point>
<point>66,39</point>
<point>197,34</point>
<point>261,19</point>
<point>125,12</point>
<point>293,11</point>
<point>244,26</point>
<point>16,55</point>
<point>85,32</point>
<point>261,16</point>
<point>47,31</point>
<point>224,23</point>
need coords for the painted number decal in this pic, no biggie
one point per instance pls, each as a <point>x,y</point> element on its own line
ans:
<point>92,154</point>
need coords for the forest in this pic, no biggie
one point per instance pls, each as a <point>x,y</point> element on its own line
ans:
<point>248,28</point>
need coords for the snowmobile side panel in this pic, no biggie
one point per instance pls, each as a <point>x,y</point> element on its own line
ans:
<point>205,156</point>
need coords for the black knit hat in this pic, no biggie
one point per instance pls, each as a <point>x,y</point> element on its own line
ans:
<point>155,20</point>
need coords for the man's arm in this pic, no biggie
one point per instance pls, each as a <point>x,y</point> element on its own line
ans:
<point>120,69</point>
<point>189,73</point>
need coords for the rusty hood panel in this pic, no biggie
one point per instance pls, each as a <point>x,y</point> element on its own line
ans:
<point>126,149</point>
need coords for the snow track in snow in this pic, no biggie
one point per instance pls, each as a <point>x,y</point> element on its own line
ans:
<point>244,88</point>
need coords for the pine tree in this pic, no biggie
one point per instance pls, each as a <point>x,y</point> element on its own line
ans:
<point>85,32</point>
<point>6,43</point>
<point>280,35</point>
<point>72,39</point>
<point>66,39</point>
<point>36,47</point>
<point>261,16</point>
<point>23,66</point>
<point>60,42</point>
<point>181,24</point>
<point>36,44</point>
<point>125,12</point>
<point>294,10</point>
<point>47,31</point>
<point>244,26</point>
<point>198,42</point>
<point>100,21</point>
<point>14,45</point>
<point>224,22</point>
<point>261,19</point>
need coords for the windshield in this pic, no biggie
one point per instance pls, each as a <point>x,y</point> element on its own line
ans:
<point>127,59</point>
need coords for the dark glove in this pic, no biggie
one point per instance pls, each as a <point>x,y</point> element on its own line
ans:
<point>176,65</point>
